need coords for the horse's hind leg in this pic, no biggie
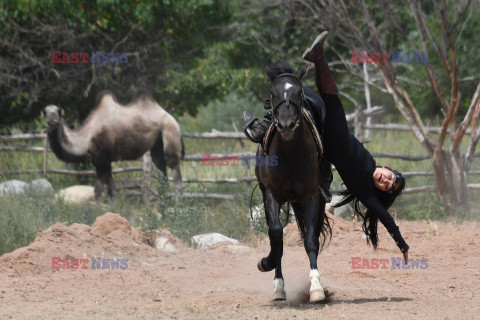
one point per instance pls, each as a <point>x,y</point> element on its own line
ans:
<point>312,246</point>
<point>274,259</point>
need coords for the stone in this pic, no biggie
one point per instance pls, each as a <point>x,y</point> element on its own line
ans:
<point>164,244</point>
<point>77,194</point>
<point>13,187</point>
<point>41,186</point>
<point>209,239</point>
<point>343,211</point>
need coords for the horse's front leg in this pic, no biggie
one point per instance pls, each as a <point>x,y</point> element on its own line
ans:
<point>274,259</point>
<point>312,245</point>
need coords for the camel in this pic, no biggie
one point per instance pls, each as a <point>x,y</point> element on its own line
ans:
<point>114,132</point>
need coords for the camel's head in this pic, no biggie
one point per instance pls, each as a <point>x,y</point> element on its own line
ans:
<point>52,115</point>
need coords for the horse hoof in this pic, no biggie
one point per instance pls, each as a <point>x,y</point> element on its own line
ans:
<point>261,267</point>
<point>317,295</point>
<point>280,295</point>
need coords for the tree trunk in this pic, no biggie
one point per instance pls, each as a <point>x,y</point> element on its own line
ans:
<point>458,190</point>
<point>450,178</point>
<point>439,171</point>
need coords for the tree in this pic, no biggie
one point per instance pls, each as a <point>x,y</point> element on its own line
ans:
<point>440,28</point>
<point>172,48</point>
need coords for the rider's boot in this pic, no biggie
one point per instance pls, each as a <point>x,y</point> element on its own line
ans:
<point>255,128</point>
<point>323,76</point>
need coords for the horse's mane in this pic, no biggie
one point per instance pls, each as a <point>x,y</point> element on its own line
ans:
<point>276,69</point>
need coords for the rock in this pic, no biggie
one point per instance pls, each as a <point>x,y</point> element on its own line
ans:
<point>13,187</point>
<point>258,214</point>
<point>365,237</point>
<point>209,239</point>
<point>41,186</point>
<point>164,240</point>
<point>342,212</point>
<point>77,194</point>
<point>164,244</point>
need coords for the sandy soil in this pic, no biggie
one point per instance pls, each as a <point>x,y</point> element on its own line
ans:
<point>223,282</point>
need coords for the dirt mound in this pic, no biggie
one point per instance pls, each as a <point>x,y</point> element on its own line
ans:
<point>115,228</point>
<point>111,236</point>
<point>224,282</point>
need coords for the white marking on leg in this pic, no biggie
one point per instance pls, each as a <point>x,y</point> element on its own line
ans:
<point>279,289</point>
<point>316,289</point>
<point>315,280</point>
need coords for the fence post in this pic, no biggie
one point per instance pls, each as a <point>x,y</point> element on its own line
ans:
<point>357,123</point>
<point>147,176</point>
<point>249,185</point>
<point>45,156</point>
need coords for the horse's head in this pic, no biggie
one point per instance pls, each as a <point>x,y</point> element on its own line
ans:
<point>53,116</point>
<point>286,97</point>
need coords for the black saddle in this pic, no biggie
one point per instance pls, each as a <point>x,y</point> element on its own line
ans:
<point>316,106</point>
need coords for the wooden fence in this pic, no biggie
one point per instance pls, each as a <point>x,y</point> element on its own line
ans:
<point>133,186</point>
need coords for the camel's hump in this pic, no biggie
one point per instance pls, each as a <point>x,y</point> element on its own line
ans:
<point>102,94</point>
<point>142,93</point>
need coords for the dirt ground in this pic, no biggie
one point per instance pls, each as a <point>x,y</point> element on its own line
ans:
<point>223,282</point>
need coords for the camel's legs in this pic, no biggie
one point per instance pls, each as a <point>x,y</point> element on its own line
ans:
<point>177,178</point>
<point>104,177</point>
<point>111,188</point>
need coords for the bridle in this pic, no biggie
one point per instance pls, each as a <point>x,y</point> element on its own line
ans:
<point>287,100</point>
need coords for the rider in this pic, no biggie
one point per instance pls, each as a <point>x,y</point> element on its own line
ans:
<point>375,187</point>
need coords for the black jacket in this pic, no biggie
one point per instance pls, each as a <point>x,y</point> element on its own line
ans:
<point>353,162</point>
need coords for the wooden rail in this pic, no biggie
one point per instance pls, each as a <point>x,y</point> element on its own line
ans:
<point>226,156</point>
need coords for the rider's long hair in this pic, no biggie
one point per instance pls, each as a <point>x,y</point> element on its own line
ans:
<point>370,220</point>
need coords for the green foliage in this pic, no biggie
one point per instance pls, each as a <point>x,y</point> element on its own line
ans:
<point>168,43</point>
<point>219,114</point>
<point>186,218</point>
<point>23,216</point>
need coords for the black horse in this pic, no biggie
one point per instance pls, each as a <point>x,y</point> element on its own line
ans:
<point>294,178</point>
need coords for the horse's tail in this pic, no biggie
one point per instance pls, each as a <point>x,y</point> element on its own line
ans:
<point>324,229</point>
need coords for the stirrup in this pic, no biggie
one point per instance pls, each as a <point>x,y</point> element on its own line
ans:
<point>246,127</point>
